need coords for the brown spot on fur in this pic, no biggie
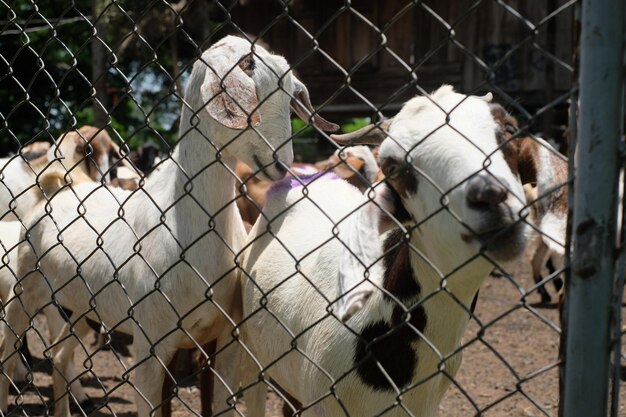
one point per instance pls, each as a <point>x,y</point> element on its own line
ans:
<point>125,183</point>
<point>54,179</point>
<point>390,344</point>
<point>398,278</point>
<point>390,347</point>
<point>86,149</point>
<point>349,168</point>
<point>528,153</point>
<point>507,125</point>
<point>399,213</point>
<point>93,146</point>
<point>556,200</point>
<point>252,201</point>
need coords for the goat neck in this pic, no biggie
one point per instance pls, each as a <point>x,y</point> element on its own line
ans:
<point>200,184</point>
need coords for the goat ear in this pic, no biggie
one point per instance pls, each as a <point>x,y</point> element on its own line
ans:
<point>360,271</point>
<point>538,163</point>
<point>65,146</point>
<point>230,93</point>
<point>94,149</point>
<point>301,106</point>
<point>355,165</point>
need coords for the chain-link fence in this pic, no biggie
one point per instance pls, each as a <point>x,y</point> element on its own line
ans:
<point>286,207</point>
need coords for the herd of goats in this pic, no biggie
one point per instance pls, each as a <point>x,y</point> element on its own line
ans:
<point>346,286</point>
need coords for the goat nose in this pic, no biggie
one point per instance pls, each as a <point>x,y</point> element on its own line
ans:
<point>280,167</point>
<point>485,192</point>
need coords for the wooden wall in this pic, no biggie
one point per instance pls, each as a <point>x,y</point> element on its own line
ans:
<point>340,54</point>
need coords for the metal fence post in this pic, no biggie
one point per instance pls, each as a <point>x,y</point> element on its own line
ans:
<point>593,255</point>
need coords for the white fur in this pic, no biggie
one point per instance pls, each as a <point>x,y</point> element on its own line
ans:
<point>167,276</point>
<point>18,195</point>
<point>292,279</point>
<point>17,179</point>
<point>9,239</point>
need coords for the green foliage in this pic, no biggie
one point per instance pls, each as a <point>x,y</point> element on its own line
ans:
<point>355,124</point>
<point>125,127</point>
<point>301,129</point>
<point>46,73</point>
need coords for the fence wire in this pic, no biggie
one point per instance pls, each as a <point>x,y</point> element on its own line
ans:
<point>287,207</point>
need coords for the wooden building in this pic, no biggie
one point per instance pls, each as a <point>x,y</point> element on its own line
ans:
<point>374,54</point>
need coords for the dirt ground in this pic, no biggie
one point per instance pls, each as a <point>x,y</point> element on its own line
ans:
<point>509,368</point>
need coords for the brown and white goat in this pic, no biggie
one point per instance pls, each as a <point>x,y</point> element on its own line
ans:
<point>547,249</point>
<point>454,180</point>
<point>88,154</point>
<point>89,150</point>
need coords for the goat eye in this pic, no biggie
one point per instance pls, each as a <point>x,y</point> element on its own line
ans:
<point>391,168</point>
<point>401,176</point>
<point>248,64</point>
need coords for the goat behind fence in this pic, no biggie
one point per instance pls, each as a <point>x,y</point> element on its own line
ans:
<point>347,280</point>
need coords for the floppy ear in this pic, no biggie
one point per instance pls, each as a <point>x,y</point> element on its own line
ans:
<point>64,147</point>
<point>34,150</point>
<point>345,172</point>
<point>360,271</point>
<point>230,93</point>
<point>301,106</point>
<point>537,162</point>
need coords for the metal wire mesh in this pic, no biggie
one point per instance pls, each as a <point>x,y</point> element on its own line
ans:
<point>137,230</point>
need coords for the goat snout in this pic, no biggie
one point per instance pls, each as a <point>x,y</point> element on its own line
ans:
<point>273,171</point>
<point>281,168</point>
<point>493,220</point>
<point>485,193</point>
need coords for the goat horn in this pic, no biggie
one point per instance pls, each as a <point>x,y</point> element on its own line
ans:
<point>372,134</point>
<point>487,97</point>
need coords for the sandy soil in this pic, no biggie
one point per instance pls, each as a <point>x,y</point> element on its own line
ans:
<point>509,366</point>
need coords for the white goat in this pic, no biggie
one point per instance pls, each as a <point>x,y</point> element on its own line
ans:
<point>157,263</point>
<point>88,154</point>
<point>459,197</point>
